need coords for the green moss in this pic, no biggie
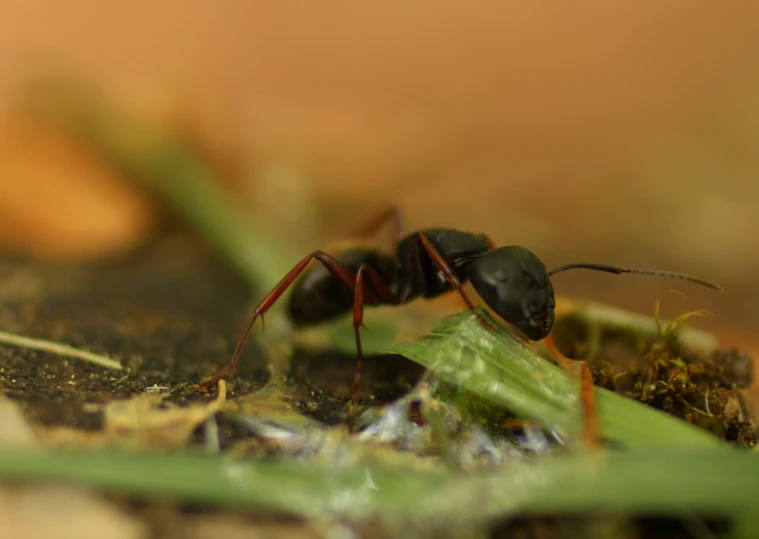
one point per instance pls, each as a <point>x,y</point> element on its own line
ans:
<point>658,367</point>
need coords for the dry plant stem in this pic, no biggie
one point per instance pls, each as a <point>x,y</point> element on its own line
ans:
<point>58,350</point>
<point>222,397</point>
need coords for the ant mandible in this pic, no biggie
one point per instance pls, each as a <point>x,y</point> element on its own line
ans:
<point>511,280</point>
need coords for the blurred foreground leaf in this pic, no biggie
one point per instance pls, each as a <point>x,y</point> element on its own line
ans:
<point>662,482</point>
<point>505,372</point>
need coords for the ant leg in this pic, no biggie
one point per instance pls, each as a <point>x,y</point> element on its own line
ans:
<point>563,361</point>
<point>381,293</point>
<point>358,323</point>
<point>587,392</point>
<point>374,224</point>
<point>338,271</point>
<point>449,275</point>
<point>589,407</point>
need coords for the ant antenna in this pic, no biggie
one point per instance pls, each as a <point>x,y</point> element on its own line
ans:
<point>618,271</point>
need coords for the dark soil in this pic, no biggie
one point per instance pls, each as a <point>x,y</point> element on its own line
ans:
<point>170,313</point>
<point>604,525</point>
<point>326,381</point>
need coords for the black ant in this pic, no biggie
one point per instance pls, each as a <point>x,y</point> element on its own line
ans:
<point>511,280</point>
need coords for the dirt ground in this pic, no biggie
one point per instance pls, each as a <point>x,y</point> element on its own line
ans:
<point>170,313</point>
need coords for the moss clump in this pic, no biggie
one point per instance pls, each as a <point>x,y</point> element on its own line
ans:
<point>658,367</point>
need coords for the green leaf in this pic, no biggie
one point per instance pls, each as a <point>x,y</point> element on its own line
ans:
<point>713,482</point>
<point>497,367</point>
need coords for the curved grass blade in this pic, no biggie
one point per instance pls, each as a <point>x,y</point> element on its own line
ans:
<point>504,371</point>
<point>169,167</point>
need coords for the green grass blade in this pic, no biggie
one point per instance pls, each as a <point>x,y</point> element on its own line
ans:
<point>171,169</point>
<point>715,482</point>
<point>502,370</point>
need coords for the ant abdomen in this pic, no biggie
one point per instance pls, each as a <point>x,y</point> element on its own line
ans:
<point>317,296</point>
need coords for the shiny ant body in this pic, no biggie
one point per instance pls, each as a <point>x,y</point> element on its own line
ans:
<point>511,280</point>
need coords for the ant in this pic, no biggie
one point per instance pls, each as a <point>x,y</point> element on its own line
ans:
<point>511,280</point>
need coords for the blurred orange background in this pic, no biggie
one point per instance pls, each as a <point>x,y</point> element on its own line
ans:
<point>621,132</point>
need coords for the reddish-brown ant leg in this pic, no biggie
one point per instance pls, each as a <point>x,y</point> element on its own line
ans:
<point>587,392</point>
<point>358,323</point>
<point>590,408</point>
<point>450,276</point>
<point>338,271</point>
<point>376,222</point>
<point>564,362</point>
<point>381,292</point>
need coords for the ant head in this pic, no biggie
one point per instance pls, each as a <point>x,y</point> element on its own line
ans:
<point>515,284</point>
